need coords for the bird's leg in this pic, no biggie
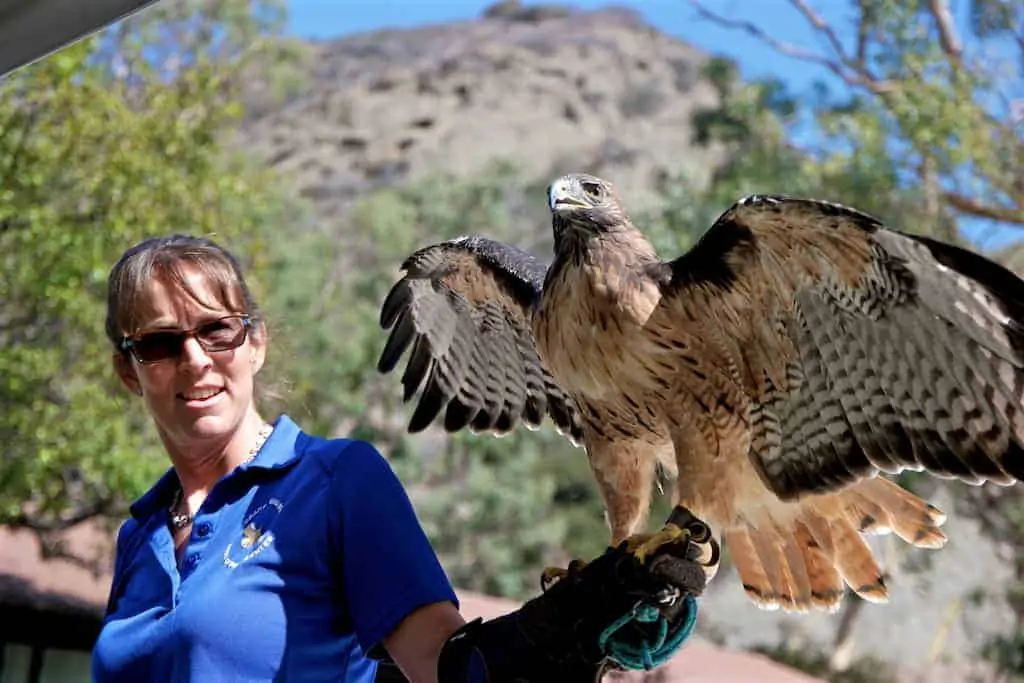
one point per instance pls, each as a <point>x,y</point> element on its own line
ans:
<point>625,475</point>
<point>644,545</point>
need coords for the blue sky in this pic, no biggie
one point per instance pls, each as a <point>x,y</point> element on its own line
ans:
<point>334,18</point>
<point>331,18</point>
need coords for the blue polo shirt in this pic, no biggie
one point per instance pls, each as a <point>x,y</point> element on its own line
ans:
<point>298,564</point>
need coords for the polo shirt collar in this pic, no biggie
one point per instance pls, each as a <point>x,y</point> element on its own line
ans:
<point>279,449</point>
<point>277,452</point>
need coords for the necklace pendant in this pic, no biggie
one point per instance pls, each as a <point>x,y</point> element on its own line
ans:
<point>180,521</point>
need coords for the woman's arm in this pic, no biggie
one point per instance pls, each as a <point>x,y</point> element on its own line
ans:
<point>415,646</point>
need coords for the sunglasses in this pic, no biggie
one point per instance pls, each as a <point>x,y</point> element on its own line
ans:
<point>222,334</point>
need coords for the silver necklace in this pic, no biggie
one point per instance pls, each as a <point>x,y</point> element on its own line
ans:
<point>180,521</point>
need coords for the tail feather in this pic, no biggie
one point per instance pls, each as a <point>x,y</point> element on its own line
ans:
<point>766,544</point>
<point>891,507</point>
<point>820,531</point>
<point>795,571</point>
<point>805,562</point>
<point>856,563</point>
<point>826,584</point>
<point>787,571</point>
<point>748,564</point>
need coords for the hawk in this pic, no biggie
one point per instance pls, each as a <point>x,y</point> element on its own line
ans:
<point>799,352</point>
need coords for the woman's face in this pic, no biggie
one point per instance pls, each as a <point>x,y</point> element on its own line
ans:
<point>198,396</point>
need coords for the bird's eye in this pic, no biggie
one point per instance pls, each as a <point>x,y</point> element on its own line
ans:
<point>593,190</point>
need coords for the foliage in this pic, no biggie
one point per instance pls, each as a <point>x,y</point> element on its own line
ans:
<point>924,95</point>
<point>754,119</point>
<point>102,144</point>
<point>1006,652</point>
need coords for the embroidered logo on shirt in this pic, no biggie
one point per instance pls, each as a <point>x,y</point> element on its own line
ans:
<point>250,535</point>
<point>256,536</point>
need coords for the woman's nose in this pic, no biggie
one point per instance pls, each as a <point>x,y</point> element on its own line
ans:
<point>193,354</point>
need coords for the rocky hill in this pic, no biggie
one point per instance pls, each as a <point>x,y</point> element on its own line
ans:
<point>553,91</point>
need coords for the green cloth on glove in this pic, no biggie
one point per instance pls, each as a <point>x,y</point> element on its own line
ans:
<point>643,638</point>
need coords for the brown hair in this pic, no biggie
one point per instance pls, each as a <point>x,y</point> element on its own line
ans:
<point>169,256</point>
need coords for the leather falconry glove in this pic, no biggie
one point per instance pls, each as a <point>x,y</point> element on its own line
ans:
<point>615,612</point>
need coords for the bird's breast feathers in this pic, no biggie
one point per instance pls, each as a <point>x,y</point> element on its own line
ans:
<point>591,329</point>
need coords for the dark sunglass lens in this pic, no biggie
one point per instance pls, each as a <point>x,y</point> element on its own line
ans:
<point>222,335</point>
<point>158,346</point>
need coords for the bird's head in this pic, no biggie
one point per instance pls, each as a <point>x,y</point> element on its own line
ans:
<point>583,206</point>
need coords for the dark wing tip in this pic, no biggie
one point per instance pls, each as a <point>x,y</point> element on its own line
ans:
<point>397,300</point>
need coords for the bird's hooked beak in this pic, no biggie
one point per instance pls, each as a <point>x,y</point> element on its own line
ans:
<point>564,195</point>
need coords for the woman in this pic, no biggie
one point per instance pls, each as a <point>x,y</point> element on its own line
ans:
<point>265,553</point>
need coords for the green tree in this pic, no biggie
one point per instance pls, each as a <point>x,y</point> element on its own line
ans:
<point>101,144</point>
<point>922,95</point>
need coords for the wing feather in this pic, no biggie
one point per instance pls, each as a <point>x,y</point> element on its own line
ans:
<point>462,310</point>
<point>871,350</point>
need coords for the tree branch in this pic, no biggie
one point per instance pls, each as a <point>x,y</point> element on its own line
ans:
<point>845,68</point>
<point>949,39</point>
<point>52,549</point>
<point>759,33</point>
<point>863,35</point>
<point>823,28</point>
<point>973,207</point>
<point>61,522</point>
<point>853,70</point>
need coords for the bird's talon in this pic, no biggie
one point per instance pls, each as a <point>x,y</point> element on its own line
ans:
<point>644,545</point>
<point>709,556</point>
<point>668,596</point>
<point>551,575</point>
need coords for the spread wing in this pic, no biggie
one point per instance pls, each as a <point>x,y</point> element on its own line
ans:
<point>862,349</point>
<point>463,310</point>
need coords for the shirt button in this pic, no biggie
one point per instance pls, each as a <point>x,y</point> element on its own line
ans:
<point>204,529</point>
<point>192,560</point>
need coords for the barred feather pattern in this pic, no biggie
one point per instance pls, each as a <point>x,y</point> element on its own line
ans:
<point>884,381</point>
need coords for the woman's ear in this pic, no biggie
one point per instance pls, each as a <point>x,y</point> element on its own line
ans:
<point>126,371</point>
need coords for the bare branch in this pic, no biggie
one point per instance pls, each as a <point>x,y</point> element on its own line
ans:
<point>863,34</point>
<point>971,206</point>
<point>949,39</point>
<point>851,76</point>
<point>823,28</point>
<point>61,522</point>
<point>56,548</point>
<point>853,69</point>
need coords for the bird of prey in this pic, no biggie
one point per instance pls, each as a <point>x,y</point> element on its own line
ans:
<point>778,370</point>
